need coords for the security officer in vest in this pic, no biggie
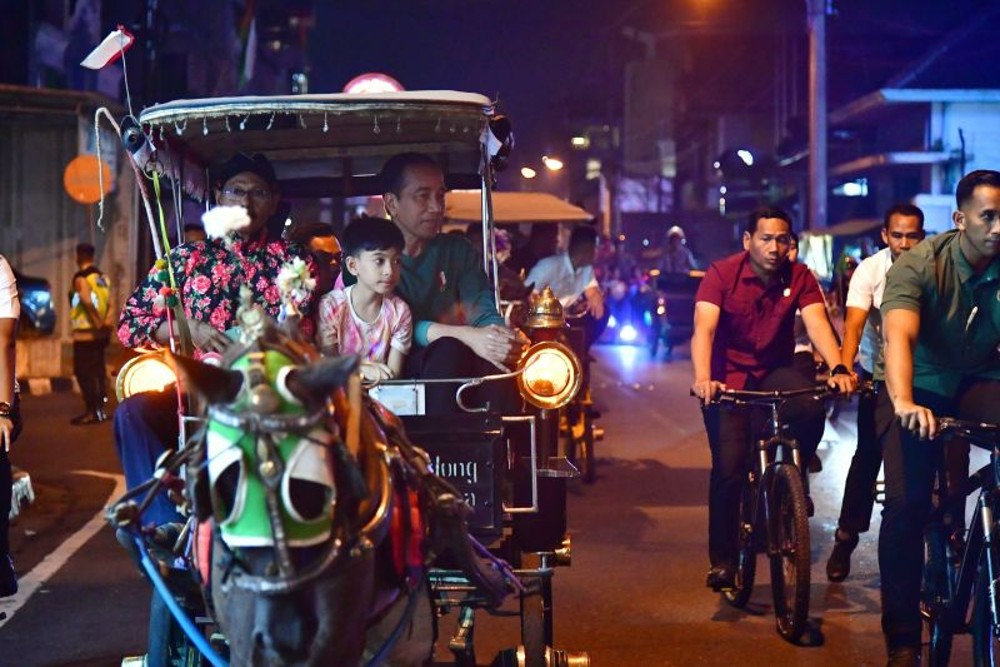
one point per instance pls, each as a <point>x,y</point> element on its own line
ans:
<point>90,310</point>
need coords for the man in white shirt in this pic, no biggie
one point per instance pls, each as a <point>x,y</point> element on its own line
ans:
<point>571,276</point>
<point>10,418</point>
<point>903,228</point>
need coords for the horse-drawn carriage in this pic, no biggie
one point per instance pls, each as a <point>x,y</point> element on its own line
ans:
<point>499,474</point>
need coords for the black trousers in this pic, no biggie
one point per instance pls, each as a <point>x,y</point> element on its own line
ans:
<point>859,489</point>
<point>7,483</point>
<point>450,358</point>
<point>729,433</point>
<point>910,467</point>
<point>90,372</point>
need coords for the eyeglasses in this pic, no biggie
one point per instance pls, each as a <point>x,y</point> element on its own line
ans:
<point>259,194</point>
<point>334,259</point>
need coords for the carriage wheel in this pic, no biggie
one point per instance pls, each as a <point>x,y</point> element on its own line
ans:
<point>533,628</point>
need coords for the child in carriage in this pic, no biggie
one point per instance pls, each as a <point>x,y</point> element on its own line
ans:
<point>366,318</point>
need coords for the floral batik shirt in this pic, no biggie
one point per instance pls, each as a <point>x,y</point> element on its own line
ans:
<point>209,275</point>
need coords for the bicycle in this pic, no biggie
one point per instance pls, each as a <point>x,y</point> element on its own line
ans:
<point>963,570</point>
<point>774,514</point>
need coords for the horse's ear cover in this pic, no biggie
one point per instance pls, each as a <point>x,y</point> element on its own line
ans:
<point>217,385</point>
<point>316,381</point>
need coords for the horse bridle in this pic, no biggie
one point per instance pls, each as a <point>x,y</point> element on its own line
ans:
<point>271,468</point>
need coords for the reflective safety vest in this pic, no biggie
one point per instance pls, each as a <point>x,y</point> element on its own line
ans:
<point>100,293</point>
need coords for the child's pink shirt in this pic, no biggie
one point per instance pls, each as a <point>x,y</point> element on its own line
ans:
<point>340,328</point>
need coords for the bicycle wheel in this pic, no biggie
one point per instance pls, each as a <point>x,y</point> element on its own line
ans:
<point>935,594</point>
<point>790,576</point>
<point>746,567</point>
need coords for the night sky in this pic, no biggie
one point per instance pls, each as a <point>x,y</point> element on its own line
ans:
<point>554,62</point>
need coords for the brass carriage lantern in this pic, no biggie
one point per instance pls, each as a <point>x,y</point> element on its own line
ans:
<point>545,311</point>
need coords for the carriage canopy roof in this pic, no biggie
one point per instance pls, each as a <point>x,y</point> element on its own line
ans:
<point>322,145</point>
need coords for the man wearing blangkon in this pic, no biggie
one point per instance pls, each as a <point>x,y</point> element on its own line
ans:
<point>744,339</point>
<point>456,326</point>
<point>941,329</point>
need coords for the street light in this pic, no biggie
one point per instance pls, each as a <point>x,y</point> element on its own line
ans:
<point>551,163</point>
<point>528,172</point>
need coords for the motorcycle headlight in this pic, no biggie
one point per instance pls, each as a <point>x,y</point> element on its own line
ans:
<point>148,372</point>
<point>550,376</point>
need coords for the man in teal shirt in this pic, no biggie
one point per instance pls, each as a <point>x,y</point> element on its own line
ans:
<point>457,329</point>
<point>941,328</point>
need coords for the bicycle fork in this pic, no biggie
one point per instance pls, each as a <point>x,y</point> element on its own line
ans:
<point>992,559</point>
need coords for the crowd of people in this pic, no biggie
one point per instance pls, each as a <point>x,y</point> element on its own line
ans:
<point>921,323</point>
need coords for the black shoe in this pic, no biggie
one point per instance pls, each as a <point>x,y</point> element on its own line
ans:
<point>839,565</point>
<point>8,580</point>
<point>88,418</point>
<point>721,579</point>
<point>904,656</point>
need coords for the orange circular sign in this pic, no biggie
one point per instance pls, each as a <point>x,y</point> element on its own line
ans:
<point>81,179</point>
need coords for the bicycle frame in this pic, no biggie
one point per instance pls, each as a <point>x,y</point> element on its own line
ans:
<point>955,611</point>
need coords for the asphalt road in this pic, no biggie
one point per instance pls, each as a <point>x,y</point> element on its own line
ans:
<point>634,594</point>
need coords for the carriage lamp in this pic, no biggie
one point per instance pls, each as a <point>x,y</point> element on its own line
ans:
<point>147,372</point>
<point>550,375</point>
<point>545,311</point>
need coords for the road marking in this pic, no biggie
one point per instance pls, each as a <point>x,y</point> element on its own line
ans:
<point>30,583</point>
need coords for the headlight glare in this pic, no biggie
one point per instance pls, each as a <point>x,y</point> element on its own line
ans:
<point>550,376</point>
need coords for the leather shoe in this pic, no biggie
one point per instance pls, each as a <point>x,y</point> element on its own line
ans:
<point>904,656</point>
<point>8,580</point>
<point>839,564</point>
<point>87,418</point>
<point>721,579</point>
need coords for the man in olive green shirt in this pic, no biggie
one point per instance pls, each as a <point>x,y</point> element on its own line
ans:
<point>941,328</point>
<point>456,326</point>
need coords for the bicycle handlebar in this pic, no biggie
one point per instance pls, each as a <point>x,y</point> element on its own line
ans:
<point>970,429</point>
<point>771,397</point>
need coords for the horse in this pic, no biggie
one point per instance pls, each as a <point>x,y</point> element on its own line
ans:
<point>322,517</point>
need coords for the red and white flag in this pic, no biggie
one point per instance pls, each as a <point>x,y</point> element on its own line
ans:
<point>109,50</point>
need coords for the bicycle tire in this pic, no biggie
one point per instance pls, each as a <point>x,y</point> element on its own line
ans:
<point>746,566</point>
<point>790,560</point>
<point>935,594</point>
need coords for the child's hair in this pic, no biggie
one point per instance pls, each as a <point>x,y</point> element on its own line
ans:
<point>370,233</point>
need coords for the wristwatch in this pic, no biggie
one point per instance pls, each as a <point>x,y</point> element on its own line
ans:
<point>5,409</point>
<point>839,369</point>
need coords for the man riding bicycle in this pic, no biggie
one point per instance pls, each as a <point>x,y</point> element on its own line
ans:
<point>744,339</point>
<point>941,329</point>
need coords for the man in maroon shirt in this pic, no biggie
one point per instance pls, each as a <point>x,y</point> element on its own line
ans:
<point>744,338</point>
